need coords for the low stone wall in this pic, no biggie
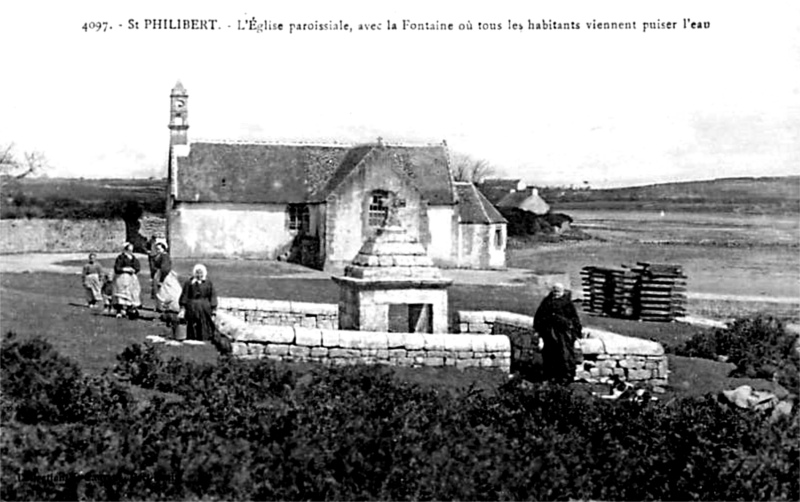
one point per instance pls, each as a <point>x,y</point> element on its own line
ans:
<point>340,347</point>
<point>281,313</point>
<point>517,327</point>
<point>603,353</point>
<point>61,236</point>
<point>631,359</point>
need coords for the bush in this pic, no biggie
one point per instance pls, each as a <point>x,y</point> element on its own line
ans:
<point>760,347</point>
<point>257,430</point>
<point>40,386</point>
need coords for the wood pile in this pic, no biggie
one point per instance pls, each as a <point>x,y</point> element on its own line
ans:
<point>647,291</point>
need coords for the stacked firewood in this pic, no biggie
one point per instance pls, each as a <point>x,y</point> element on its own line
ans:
<point>647,291</point>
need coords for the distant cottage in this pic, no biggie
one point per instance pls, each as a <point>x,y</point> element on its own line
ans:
<point>317,204</point>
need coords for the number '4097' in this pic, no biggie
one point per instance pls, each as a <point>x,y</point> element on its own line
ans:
<point>95,26</point>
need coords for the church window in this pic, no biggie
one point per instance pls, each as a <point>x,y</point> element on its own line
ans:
<point>299,217</point>
<point>378,208</point>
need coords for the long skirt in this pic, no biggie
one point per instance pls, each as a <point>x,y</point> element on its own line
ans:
<point>92,286</point>
<point>127,291</point>
<point>199,324</point>
<point>558,356</point>
<point>168,293</point>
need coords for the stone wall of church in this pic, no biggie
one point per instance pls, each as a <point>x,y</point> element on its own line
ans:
<point>61,236</point>
<point>212,230</point>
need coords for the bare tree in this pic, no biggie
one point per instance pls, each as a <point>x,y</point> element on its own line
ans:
<point>466,168</point>
<point>32,163</point>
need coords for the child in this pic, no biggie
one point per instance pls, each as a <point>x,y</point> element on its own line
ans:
<point>108,293</point>
<point>92,273</point>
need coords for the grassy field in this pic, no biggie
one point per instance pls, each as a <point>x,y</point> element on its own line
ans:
<point>722,254</point>
<point>48,305</point>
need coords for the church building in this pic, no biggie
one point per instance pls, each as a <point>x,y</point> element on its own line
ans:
<point>317,204</point>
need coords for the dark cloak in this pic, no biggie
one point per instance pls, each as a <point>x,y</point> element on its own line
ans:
<point>558,325</point>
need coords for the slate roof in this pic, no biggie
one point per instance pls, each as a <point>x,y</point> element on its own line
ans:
<point>254,172</point>
<point>281,174</point>
<point>473,207</point>
<point>427,166</point>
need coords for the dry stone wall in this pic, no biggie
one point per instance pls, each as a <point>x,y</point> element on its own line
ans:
<point>281,313</point>
<point>61,236</point>
<point>341,347</point>
<point>603,354</point>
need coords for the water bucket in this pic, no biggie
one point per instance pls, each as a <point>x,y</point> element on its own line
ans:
<point>179,331</point>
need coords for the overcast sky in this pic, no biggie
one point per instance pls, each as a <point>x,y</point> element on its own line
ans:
<point>610,108</point>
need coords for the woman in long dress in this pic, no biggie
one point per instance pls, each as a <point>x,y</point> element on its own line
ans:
<point>127,290</point>
<point>199,303</point>
<point>557,323</point>
<point>92,281</point>
<point>167,287</point>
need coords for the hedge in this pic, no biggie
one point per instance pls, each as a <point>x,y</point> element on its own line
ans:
<point>265,431</point>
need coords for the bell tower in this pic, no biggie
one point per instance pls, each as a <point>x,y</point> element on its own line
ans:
<point>178,115</point>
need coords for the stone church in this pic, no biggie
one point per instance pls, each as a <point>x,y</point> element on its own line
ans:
<point>317,204</point>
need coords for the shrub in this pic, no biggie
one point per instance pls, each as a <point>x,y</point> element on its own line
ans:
<point>257,430</point>
<point>760,347</point>
<point>40,386</point>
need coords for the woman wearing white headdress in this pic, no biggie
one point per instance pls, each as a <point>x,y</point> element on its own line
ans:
<point>165,280</point>
<point>199,303</point>
<point>127,290</point>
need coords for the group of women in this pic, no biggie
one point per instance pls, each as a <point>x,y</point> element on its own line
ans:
<point>194,303</point>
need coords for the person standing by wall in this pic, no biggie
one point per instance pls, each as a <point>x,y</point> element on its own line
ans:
<point>166,285</point>
<point>558,325</point>
<point>127,290</point>
<point>92,281</point>
<point>198,304</point>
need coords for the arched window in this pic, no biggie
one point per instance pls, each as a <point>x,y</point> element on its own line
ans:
<point>378,208</point>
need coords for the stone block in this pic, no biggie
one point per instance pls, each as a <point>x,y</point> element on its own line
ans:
<point>434,342</point>
<point>437,353</point>
<point>663,369</point>
<point>619,371</point>
<point>480,327</point>
<point>591,346</point>
<point>326,324</point>
<point>470,316</point>
<point>465,354</point>
<point>344,353</point>
<point>478,343</point>
<point>413,341</point>
<point>639,375</point>
<point>631,363</point>
<point>398,353</point>
<point>515,320</point>
<point>607,363</point>
<point>486,362</point>
<point>307,322</point>
<point>659,381</point>
<point>239,349</point>
<point>457,343</point>
<point>583,375</point>
<point>467,363</point>
<point>383,354</point>
<point>272,334</point>
<point>433,361</point>
<point>299,352</point>
<point>449,361</point>
<point>463,327</point>
<point>319,352</point>
<point>330,338</point>
<point>497,343</point>
<point>308,337</point>
<point>307,308</point>
<point>272,349</point>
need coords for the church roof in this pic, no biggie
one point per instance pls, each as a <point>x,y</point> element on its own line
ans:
<point>255,172</point>
<point>473,207</point>
<point>280,173</point>
<point>427,166</point>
